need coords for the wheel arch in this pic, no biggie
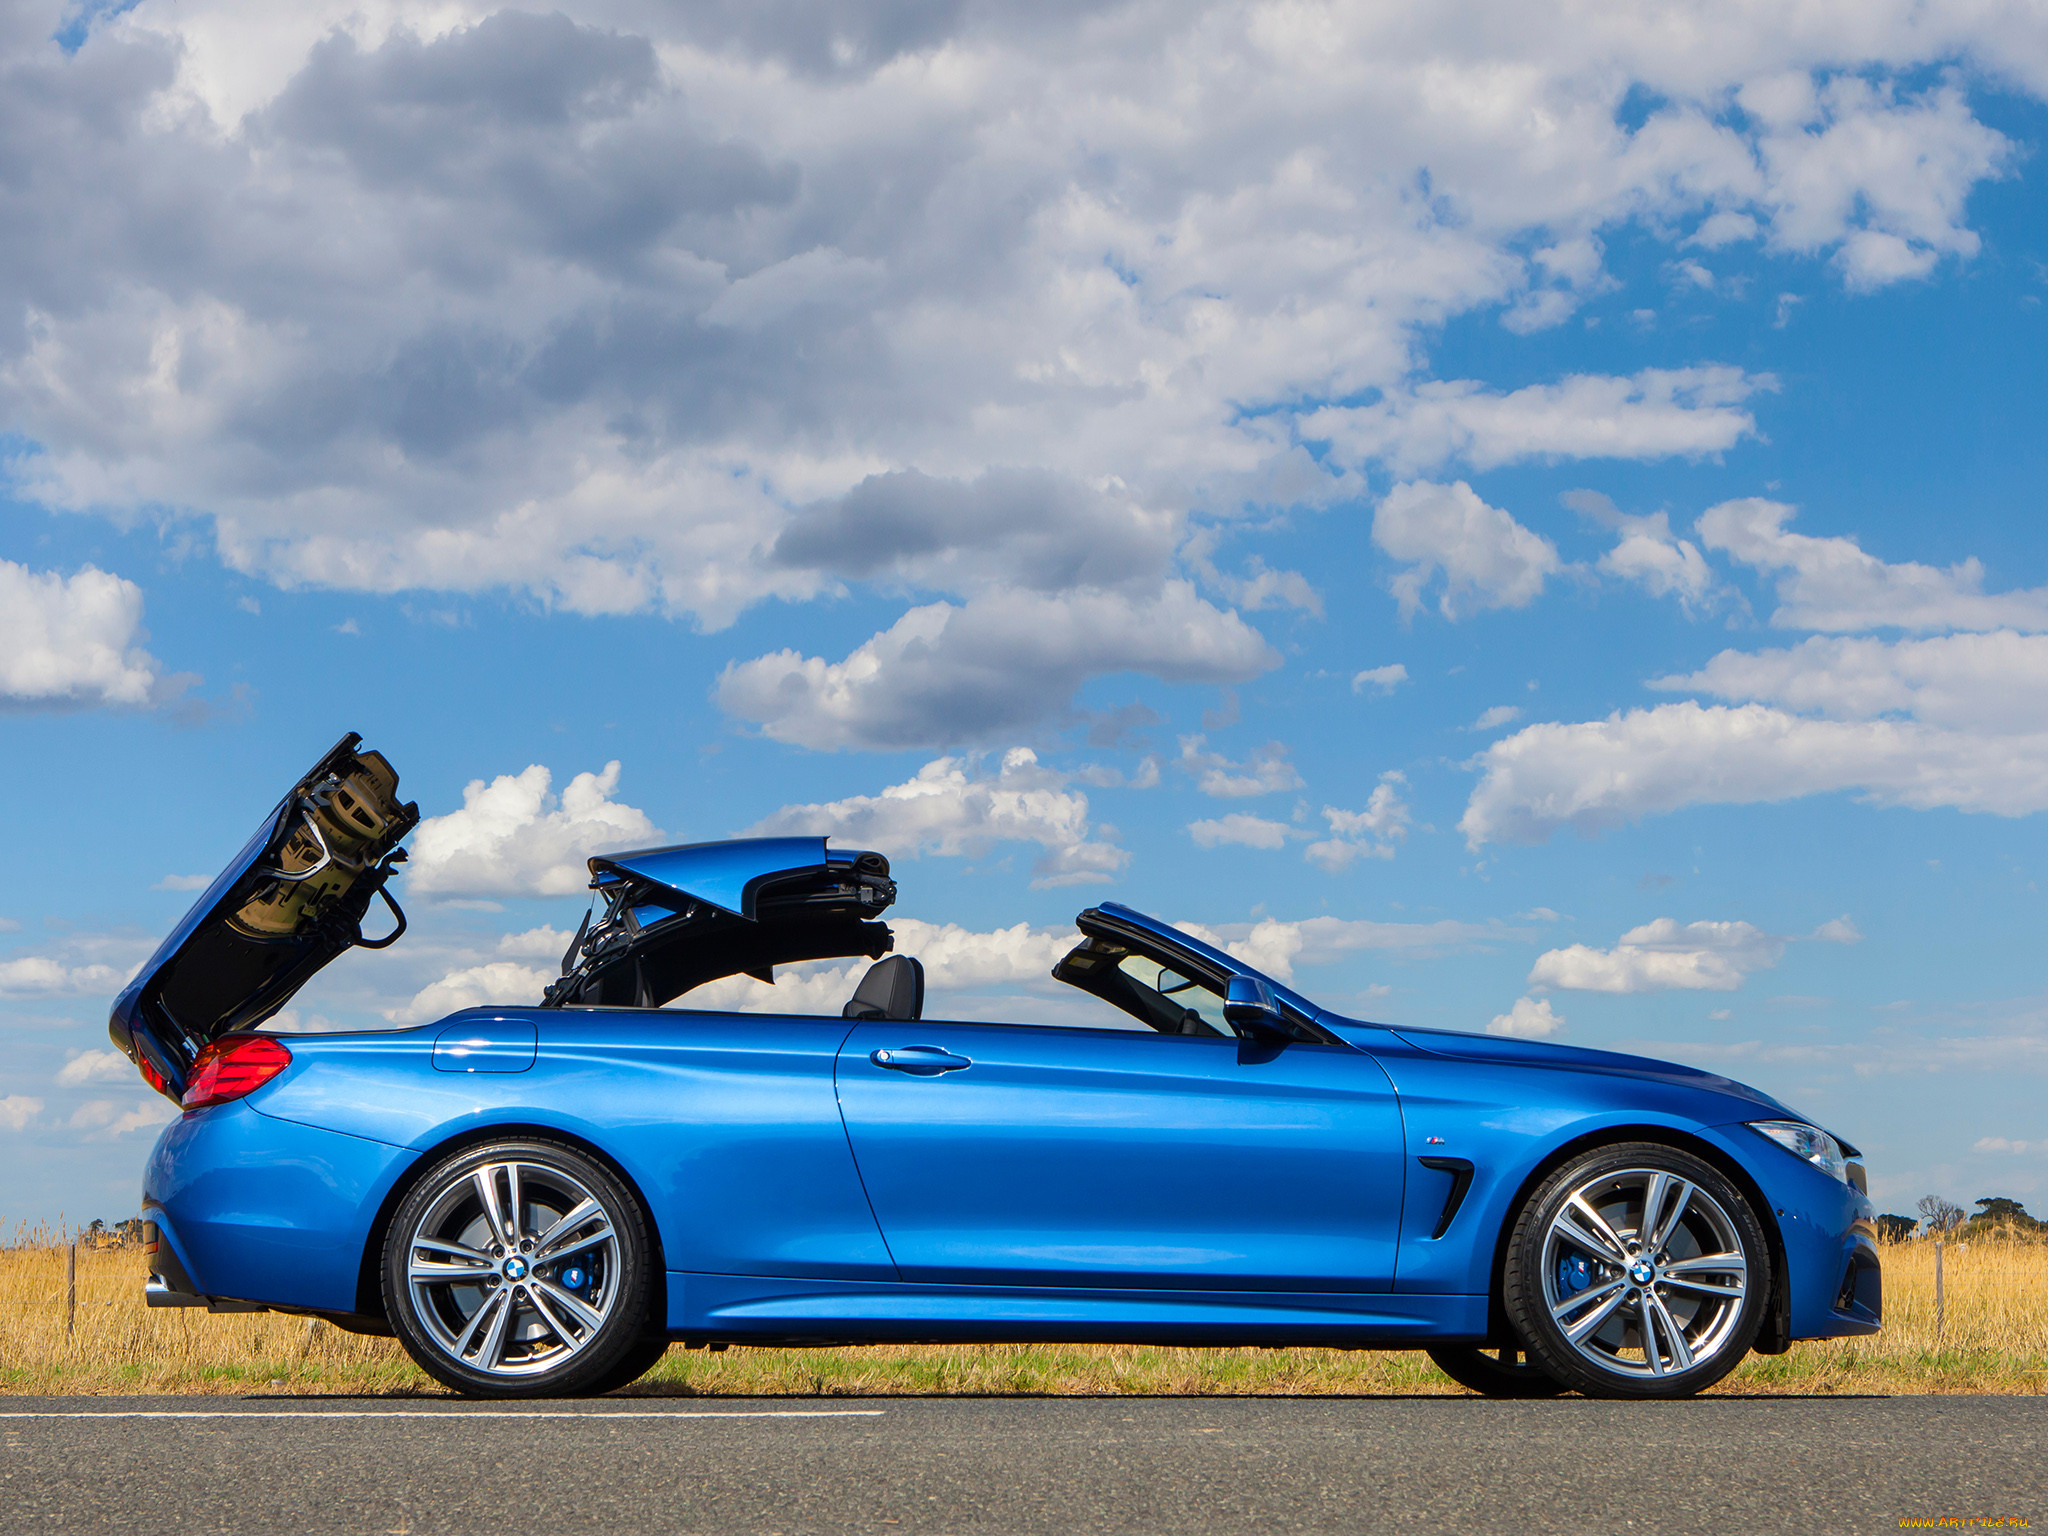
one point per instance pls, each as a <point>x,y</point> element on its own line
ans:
<point>1776,1335</point>
<point>369,1280</point>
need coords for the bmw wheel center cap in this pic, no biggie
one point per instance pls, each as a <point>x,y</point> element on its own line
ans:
<point>1641,1272</point>
<point>515,1268</point>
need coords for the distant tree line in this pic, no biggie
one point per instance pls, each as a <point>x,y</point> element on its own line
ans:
<point>1996,1216</point>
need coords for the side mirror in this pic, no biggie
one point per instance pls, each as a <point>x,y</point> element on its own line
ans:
<point>1249,1004</point>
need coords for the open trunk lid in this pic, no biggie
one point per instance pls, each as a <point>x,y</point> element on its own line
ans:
<point>292,900</point>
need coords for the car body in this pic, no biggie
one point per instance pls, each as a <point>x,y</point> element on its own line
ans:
<point>1251,1170</point>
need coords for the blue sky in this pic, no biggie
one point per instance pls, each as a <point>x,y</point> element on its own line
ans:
<point>1512,527</point>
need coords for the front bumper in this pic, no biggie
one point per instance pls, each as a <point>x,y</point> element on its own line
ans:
<point>1834,1281</point>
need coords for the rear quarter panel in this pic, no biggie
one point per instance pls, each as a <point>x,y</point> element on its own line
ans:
<point>726,1123</point>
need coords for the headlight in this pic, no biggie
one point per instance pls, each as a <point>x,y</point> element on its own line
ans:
<point>1807,1141</point>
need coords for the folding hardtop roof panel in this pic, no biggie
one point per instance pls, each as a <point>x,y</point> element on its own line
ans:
<point>727,875</point>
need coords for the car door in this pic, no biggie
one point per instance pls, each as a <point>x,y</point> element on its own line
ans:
<point>1001,1154</point>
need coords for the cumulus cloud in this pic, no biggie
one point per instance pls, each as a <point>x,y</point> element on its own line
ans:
<point>1373,833</point>
<point>2006,1144</point>
<point>95,1067</point>
<point>684,309</point>
<point>1381,680</point>
<point>1667,955</point>
<point>953,809</point>
<point>1598,774</point>
<point>947,674</point>
<point>44,976</point>
<point>1486,558</point>
<point>1657,413</point>
<point>1662,956</point>
<point>1834,584</point>
<point>1532,1018</point>
<point>513,837</point>
<point>1493,719</point>
<point>1996,684</point>
<point>109,1118</point>
<point>1276,946</point>
<point>1267,771</point>
<point>73,640</point>
<point>503,982</point>
<point>1241,829</point>
<point>18,1111</point>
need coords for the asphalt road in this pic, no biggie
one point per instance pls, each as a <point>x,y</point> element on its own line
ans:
<point>1189,1466</point>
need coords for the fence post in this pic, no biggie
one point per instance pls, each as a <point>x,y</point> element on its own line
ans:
<point>1937,1294</point>
<point>70,1289</point>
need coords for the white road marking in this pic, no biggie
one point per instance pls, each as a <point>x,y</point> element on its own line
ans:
<point>450,1413</point>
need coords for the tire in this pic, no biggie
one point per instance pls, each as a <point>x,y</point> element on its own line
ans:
<point>635,1363</point>
<point>1614,1302</point>
<point>1494,1372</point>
<point>521,1268</point>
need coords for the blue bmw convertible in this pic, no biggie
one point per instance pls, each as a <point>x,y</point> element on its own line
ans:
<point>541,1200</point>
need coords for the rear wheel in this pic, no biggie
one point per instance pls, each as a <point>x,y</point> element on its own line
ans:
<point>1637,1271</point>
<point>635,1363</point>
<point>1495,1372</point>
<point>520,1269</point>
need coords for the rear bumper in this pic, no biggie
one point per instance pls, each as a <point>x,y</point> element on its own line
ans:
<point>254,1210</point>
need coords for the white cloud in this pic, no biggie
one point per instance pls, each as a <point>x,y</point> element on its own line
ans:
<point>512,837</point>
<point>599,306</point>
<point>1371,833</point>
<point>110,1118</point>
<point>1604,773</point>
<point>18,1111</point>
<point>95,1067</point>
<point>1488,560</point>
<point>1241,829</point>
<point>1382,680</point>
<point>1665,566</point>
<point>42,976</point>
<point>946,674</point>
<point>1530,1019</point>
<point>72,640</point>
<point>504,982</point>
<point>1658,413</point>
<point>954,810</point>
<point>1994,684</point>
<point>1662,956</point>
<point>1276,947</point>
<point>2003,1144</point>
<point>1667,955</point>
<point>1267,771</point>
<point>1496,717</point>
<point>183,883</point>
<point>1833,584</point>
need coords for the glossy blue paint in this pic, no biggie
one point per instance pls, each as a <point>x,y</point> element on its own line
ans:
<point>268,1211</point>
<point>722,875</point>
<point>811,1178</point>
<point>737,1307</point>
<point>1117,1157</point>
<point>726,1123</point>
<point>486,1045</point>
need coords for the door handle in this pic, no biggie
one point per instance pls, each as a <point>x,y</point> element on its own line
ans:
<point>919,1060</point>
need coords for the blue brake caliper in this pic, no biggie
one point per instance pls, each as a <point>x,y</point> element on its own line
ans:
<point>1573,1275</point>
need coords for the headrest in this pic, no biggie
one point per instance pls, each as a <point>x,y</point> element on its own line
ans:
<point>892,989</point>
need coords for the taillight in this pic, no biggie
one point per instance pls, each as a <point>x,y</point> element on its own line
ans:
<point>230,1068</point>
<point>150,1075</point>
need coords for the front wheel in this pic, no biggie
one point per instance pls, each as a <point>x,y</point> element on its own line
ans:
<point>1637,1271</point>
<point>520,1269</point>
<point>1505,1372</point>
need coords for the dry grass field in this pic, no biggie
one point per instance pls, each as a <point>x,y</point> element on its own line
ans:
<point>1994,1339</point>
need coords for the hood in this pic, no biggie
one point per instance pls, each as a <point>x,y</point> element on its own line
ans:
<point>292,900</point>
<point>1541,1053</point>
<point>675,918</point>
